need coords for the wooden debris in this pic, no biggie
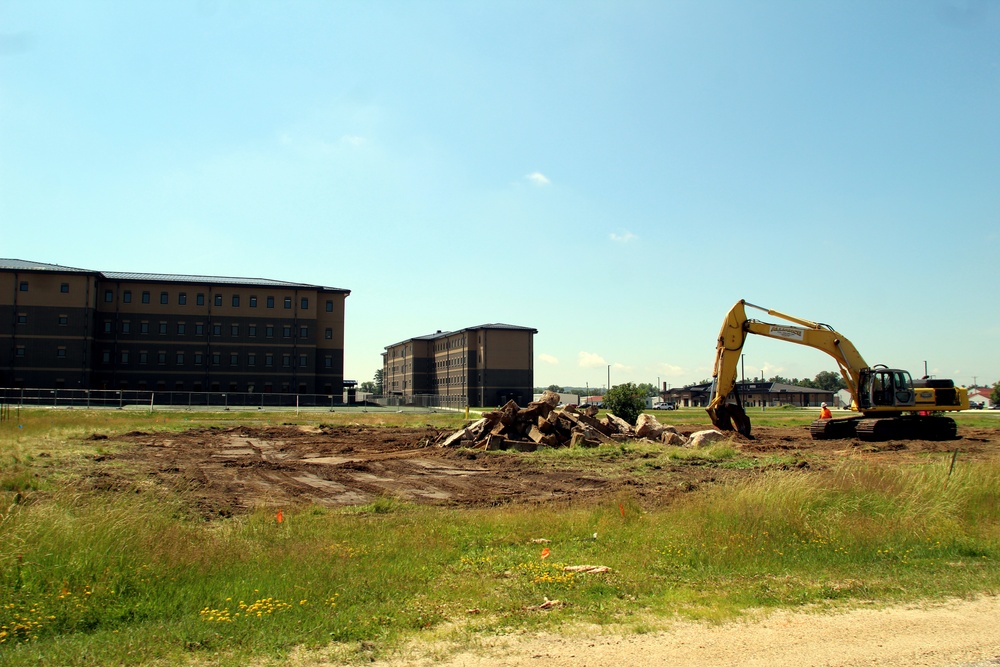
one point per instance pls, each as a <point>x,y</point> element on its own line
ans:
<point>543,424</point>
<point>587,569</point>
<point>548,604</point>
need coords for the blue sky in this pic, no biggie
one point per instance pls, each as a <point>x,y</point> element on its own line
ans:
<point>614,174</point>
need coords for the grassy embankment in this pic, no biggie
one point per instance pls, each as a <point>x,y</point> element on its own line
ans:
<point>135,578</point>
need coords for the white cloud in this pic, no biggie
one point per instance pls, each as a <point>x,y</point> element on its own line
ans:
<point>590,360</point>
<point>352,140</point>
<point>625,237</point>
<point>539,179</point>
<point>548,359</point>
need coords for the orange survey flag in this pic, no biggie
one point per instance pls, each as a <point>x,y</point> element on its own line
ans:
<point>545,553</point>
<point>280,517</point>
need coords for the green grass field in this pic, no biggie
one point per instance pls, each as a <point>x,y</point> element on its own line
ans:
<point>120,577</point>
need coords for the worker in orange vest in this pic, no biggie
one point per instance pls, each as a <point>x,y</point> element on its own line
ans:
<point>824,412</point>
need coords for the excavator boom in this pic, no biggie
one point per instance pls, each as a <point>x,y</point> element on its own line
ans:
<point>877,392</point>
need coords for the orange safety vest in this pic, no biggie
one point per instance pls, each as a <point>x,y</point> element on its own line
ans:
<point>825,414</point>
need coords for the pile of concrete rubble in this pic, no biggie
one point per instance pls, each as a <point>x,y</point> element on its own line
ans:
<point>543,424</point>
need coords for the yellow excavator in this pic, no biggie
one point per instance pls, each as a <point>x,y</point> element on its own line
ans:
<point>890,404</point>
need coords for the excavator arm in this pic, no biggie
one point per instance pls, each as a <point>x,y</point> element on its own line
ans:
<point>737,325</point>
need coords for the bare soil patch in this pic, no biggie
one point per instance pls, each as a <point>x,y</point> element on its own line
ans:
<point>226,471</point>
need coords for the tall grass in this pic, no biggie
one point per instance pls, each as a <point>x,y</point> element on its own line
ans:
<point>128,578</point>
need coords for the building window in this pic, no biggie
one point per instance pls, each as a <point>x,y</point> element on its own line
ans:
<point>236,301</point>
<point>164,298</point>
<point>303,332</point>
<point>286,361</point>
<point>143,358</point>
<point>286,331</point>
<point>268,359</point>
<point>216,329</point>
<point>269,331</point>
<point>305,303</point>
<point>216,358</point>
<point>127,296</point>
<point>24,286</point>
<point>181,327</point>
<point>124,356</point>
<point>182,298</point>
<point>199,299</point>
<point>329,306</point>
<point>144,327</point>
<point>303,361</point>
<point>126,327</point>
<point>252,330</point>
<point>288,303</point>
<point>199,329</point>
<point>107,326</point>
<point>218,299</point>
<point>105,356</point>
<point>253,302</point>
<point>199,358</point>
<point>328,361</point>
<point>161,357</point>
<point>63,320</point>
<point>270,302</point>
<point>145,297</point>
<point>64,288</point>
<point>234,359</point>
<point>252,359</point>
<point>180,359</point>
<point>163,328</point>
<point>328,334</point>
<point>109,296</point>
<point>60,353</point>
<point>234,330</point>
<point>22,318</point>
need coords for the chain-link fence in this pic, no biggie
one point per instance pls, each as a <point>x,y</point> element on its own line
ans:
<point>131,399</point>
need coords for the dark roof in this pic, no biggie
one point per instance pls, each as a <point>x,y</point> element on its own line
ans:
<point>445,334</point>
<point>757,386</point>
<point>215,280</point>
<point>21,265</point>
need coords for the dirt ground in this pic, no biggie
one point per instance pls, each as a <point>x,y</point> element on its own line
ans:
<point>235,470</point>
<point>957,633</point>
<point>227,471</point>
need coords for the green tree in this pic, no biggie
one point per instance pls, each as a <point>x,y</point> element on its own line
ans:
<point>995,394</point>
<point>829,381</point>
<point>648,389</point>
<point>554,387</point>
<point>778,379</point>
<point>367,387</point>
<point>626,401</point>
<point>379,387</point>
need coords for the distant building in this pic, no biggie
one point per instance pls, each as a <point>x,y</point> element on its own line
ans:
<point>485,365</point>
<point>981,395</point>
<point>753,394</point>
<point>84,329</point>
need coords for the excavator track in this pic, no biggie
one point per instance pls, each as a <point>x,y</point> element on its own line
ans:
<point>907,428</point>
<point>834,429</point>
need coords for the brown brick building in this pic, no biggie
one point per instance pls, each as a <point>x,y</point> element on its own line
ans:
<point>485,365</point>
<point>83,329</point>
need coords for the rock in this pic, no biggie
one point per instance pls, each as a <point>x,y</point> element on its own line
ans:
<point>673,439</point>
<point>646,426</point>
<point>702,438</point>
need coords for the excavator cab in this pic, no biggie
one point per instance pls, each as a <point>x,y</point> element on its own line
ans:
<point>885,387</point>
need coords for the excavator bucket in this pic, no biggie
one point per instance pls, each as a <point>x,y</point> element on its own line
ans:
<point>728,417</point>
